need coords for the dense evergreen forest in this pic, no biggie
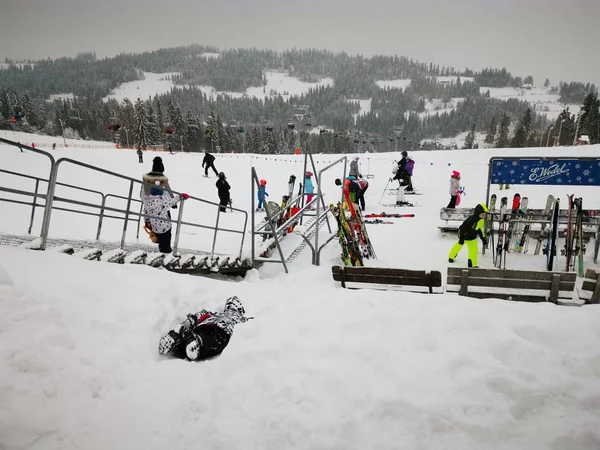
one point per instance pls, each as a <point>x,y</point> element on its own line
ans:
<point>187,119</point>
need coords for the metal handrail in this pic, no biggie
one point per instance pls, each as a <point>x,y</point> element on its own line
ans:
<point>50,197</point>
<point>345,160</point>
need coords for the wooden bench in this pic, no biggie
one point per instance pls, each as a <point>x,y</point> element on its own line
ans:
<point>590,289</point>
<point>520,285</point>
<point>379,278</point>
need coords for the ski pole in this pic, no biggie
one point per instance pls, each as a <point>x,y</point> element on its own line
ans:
<point>384,189</point>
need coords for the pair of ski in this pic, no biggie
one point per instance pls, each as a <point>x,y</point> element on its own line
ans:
<point>574,248</point>
<point>384,214</point>
<point>504,229</point>
<point>378,221</point>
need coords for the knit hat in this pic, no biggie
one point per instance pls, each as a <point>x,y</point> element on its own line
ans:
<point>455,174</point>
<point>157,165</point>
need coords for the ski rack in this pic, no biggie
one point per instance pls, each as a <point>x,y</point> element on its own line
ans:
<point>312,229</point>
<point>100,208</point>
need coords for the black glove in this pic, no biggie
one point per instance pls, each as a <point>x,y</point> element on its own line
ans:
<point>174,206</point>
<point>484,241</point>
<point>461,241</point>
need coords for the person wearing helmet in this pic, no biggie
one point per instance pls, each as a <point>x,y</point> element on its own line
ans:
<point>223,191</point>
<point>454,189</point>
<point>262,193</point>
<point>209,163</point>
<point>354,171</point>
<point>472,227</point>
<point>204,334</point>
<point>309,189</point>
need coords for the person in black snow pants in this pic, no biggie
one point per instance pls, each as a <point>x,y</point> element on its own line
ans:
<point>204,334</point>
<point>140,156</point>
<point>223,189</point>
<point>401,174</point>
<point>157,205</point>
<point>209,163</point>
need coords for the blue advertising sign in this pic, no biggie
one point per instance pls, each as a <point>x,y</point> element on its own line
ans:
<point>573,172</point>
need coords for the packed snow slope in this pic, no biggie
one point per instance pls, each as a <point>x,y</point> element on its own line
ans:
<point>319,367</point>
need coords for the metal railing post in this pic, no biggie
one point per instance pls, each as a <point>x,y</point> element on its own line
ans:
<point>252,223</point>
<point>212,251</point>
<point>48,206</point>
<point>101,217</point>
<point>126,215</point>
<point>178,229</point>
<point>137,234</point>
<point>37,184</point>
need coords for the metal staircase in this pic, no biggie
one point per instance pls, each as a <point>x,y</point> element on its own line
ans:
<point>183,260</point>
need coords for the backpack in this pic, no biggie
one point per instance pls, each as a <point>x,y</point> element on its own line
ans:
<point>409,167</point>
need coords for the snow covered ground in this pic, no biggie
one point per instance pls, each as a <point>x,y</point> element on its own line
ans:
<point>319,367</point>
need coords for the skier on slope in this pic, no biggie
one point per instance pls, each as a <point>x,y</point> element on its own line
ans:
<point>209,163</point>
<point>454,189</point>
<point>140,155</point>
<point>204,334</point>
<point>157,204</point>
<point>223,191</point>
<point>354,171</point>
<point>472,227</point>
<point>262,193</point>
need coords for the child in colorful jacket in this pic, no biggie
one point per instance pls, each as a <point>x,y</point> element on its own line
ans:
<point>204,334</point>
<point>454,188</point>
<point>262,193</point>
<point>158,204</point>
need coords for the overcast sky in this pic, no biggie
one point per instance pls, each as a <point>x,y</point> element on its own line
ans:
<point>558,39</point>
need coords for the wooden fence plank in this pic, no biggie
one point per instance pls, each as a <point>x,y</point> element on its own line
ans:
<point>596,295</point>
<point>464,283</point>
<point>511,283</point>
<point>591,274</point>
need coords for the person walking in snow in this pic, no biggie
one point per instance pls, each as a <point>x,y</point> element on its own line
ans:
<point>262,193</point>
<point>454,189</point>
<point>204,334</point>
<point>309,189</point>
<point>209,163</point>
<point>472,227</point>
<point>223,189</point>
<point>354,171</point>
<point>158,205</point>
<point>140,155</point>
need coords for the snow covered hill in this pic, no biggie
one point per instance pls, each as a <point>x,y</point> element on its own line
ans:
<point>319,367</point>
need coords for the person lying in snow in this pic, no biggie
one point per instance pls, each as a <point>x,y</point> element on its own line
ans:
<point>204,334</point>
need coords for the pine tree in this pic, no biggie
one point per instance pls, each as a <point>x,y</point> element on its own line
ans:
<point>502,141</point>
<point>492,130</point>
<point>29,111</point>
<point>43,118</point>
<point>589,123</point>
<point>546,83</point>
<point>470,139</point>
<point>522,130</point>
<point>140,132</point>
<point>5,108</point>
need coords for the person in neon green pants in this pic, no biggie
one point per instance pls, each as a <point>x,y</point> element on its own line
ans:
<point>468,232</point>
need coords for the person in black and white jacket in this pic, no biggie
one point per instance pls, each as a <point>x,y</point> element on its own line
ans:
<point>204,334</point>
<point>158,205</point>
